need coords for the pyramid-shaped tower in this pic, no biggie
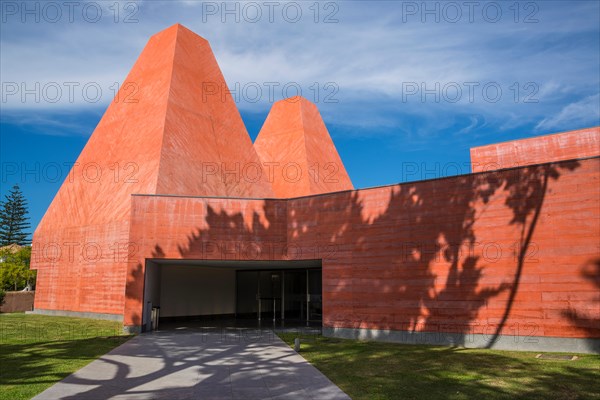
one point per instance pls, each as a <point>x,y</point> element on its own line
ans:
<point>172,129</point>
<point>295,140</point>
<point>206,150</point>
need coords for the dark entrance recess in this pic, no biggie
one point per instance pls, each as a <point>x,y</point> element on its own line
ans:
<point>237,293</point>
<point>292,294</point>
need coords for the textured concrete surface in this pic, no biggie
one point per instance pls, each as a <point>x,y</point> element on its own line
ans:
<point>472,341</point>
<point>163,133</point>
<point>207,364</point>
<point>512,252</point>
<point>438,255</point>
<point>77,314</point>
<point>295,141</point>
<point>549,148</point>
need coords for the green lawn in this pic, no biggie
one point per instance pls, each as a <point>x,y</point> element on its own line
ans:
<point>37,351</point>
<point>370,371</point>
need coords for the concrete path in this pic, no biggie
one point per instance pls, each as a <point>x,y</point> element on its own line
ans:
<point>210,364</point>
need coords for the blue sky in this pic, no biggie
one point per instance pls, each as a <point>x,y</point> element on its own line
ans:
<point>405,88</point>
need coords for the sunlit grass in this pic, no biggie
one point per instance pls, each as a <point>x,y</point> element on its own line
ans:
<point>36,351</point>
<point>372,370</point>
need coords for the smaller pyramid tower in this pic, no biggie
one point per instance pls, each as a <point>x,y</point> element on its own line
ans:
<point>295,142</point>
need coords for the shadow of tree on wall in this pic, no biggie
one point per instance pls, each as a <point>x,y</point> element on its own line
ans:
<point>431,280</point>
<point>136,277</point>
<point>585,321</point>
<point>435,223</point>
<point>526,194</point>
<point>234,236</point>
<point>448,213</point>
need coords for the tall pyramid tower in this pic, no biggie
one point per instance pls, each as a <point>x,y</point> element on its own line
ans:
<point>160,135</point>
<point>163,134</point>
<point>295,139</point>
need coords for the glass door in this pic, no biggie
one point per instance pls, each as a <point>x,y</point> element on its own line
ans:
<point>315,298</point>
<point>294,294</point>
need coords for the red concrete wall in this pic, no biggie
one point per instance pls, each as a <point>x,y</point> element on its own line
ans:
<point>514,247</point>
<point>443,255</point>
<point>559,146</point>
<point>200,228</point>
<point>83,268</point>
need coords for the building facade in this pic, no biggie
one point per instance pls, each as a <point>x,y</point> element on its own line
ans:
<point>170,204</point>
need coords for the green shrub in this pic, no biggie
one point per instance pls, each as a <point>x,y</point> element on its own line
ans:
<point>14,269</point>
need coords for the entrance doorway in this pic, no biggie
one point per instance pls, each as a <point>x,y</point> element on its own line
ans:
<point>292,294</point>
<point>240,293</point>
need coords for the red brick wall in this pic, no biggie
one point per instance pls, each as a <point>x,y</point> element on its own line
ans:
<point>557,147</point>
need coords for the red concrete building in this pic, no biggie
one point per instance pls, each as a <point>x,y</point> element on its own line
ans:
<point>170,204</point>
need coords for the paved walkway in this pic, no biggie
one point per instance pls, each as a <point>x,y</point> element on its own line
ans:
<point>209,364</point>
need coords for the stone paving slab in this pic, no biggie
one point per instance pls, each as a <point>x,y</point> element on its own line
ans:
<point>203,364</point>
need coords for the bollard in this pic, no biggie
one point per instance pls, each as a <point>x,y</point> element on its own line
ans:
<point>297,345</point>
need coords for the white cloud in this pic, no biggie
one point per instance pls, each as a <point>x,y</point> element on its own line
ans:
<point>582,113</point>
<point>64,123</point>
<point>370,54</point>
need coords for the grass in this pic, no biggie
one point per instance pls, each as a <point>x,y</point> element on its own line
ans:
<point>36,351</point>
<point>371,370</point>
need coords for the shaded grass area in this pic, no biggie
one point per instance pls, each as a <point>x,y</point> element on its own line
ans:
<point>372,370</point>
<point>36,351</point>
